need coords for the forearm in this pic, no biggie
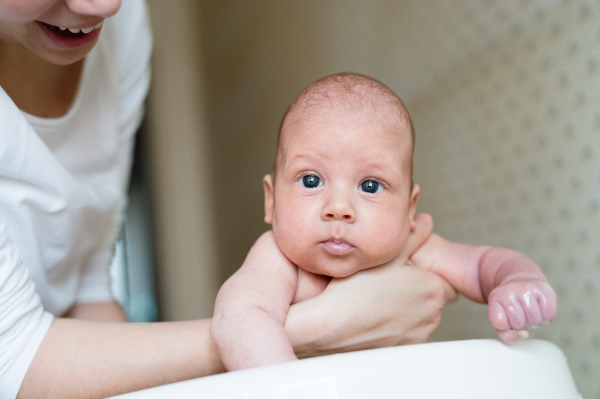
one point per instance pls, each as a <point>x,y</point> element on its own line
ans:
<point>97,311</point>
<point>474,270</point>
<point>251,308</point>
<point>458,264</point>
<point>83,359</point>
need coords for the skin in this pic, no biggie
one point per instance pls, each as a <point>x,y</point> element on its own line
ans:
<point>343,153</point>
<point>341,145</point>
<point>101,358</point>
<point>516,291</point>
<point>40,77</point>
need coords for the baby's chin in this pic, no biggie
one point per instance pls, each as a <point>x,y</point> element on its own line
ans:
<point>335,267</point>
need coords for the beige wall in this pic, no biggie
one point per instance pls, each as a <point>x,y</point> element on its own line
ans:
<point>258,56</point>
<point>179,157</point>
<point>504,95</point>
<point>510,156</point>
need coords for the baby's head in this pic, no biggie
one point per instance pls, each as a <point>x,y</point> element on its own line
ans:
<point>341,197</point>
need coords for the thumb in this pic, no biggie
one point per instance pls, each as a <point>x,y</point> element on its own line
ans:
<point>419,233</point>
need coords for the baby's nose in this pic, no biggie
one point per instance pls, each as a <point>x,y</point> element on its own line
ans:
<point>339,208</point>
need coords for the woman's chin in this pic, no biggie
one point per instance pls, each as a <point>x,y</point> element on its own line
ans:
<point>54,51</point>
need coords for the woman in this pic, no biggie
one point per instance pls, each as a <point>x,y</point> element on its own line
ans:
<point>73,86</point>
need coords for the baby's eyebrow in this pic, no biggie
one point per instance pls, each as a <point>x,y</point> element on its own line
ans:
<point>303,157</point>
<point>384,170</point>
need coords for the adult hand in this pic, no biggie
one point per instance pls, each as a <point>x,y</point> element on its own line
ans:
<point>392,304</point>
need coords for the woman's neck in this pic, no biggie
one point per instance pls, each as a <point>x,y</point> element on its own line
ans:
<point>35,85</point>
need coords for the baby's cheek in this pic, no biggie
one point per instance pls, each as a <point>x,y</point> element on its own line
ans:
<point>292,240</point>
<point>386,240</point>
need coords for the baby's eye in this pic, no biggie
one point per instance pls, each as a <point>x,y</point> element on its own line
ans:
<point>371,186</point>
<point>311,181</point>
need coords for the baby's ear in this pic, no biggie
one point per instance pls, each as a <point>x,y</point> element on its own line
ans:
<point>268,187</point>
<point>412,206</point>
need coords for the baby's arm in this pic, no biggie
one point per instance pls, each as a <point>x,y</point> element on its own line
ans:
<point>251,308</point>
<point>252,305</point>
<point>516,291</point>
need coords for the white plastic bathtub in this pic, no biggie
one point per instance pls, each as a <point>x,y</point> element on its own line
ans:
<point>473,369</point>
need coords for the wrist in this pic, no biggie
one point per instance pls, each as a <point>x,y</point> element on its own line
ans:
<point>305,330</point>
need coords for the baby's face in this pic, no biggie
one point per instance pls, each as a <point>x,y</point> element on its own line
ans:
<point>342,199</point>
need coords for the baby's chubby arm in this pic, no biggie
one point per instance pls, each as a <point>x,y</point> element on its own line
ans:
<point>251,308</point>
<point>516,291</point>
<point>252,305</point>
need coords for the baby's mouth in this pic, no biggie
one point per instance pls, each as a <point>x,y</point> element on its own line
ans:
<point>72,32</point>
<point>337,246</point>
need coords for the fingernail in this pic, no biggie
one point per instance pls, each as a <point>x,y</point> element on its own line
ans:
<point>523,334</point>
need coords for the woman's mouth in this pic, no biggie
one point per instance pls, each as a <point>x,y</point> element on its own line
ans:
<point>337,246</point>
<point>70,38</point>
<point>72,32</point>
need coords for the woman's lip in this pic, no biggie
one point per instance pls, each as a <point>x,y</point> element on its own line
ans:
<point>87,25</point>
<point>337,247</point>
<point>66,42</point>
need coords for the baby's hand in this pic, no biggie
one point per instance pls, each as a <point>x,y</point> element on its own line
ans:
<point>520,303</point>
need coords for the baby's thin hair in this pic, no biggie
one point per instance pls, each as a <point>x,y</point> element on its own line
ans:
<point>353,91</point>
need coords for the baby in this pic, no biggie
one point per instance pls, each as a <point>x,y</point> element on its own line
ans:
<point>340,199</point>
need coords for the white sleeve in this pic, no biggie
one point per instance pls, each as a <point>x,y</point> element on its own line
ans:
<point>23,321</point>
<point>94,282</point>
<point>131,42</point>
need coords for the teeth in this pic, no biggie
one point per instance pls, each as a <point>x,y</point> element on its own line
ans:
<point>85,31</point>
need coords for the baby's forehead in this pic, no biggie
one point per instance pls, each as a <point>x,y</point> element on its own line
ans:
<point>383,116</point>
<point>351,96</point>
<point>348,98</point>
<point>334,124</point>
<point>348,128</point>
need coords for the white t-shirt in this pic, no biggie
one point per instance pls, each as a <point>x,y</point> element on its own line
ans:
<point>62,191</point>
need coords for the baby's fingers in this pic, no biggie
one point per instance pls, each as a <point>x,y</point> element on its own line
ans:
<point>499,318</point>
<point>511,336</point>
<point>546,298</point>
<point>539,305</point>
<point>506,313</point>
<point>532,306</point>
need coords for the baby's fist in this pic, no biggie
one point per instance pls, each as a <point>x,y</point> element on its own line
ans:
<point>520,303</point>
